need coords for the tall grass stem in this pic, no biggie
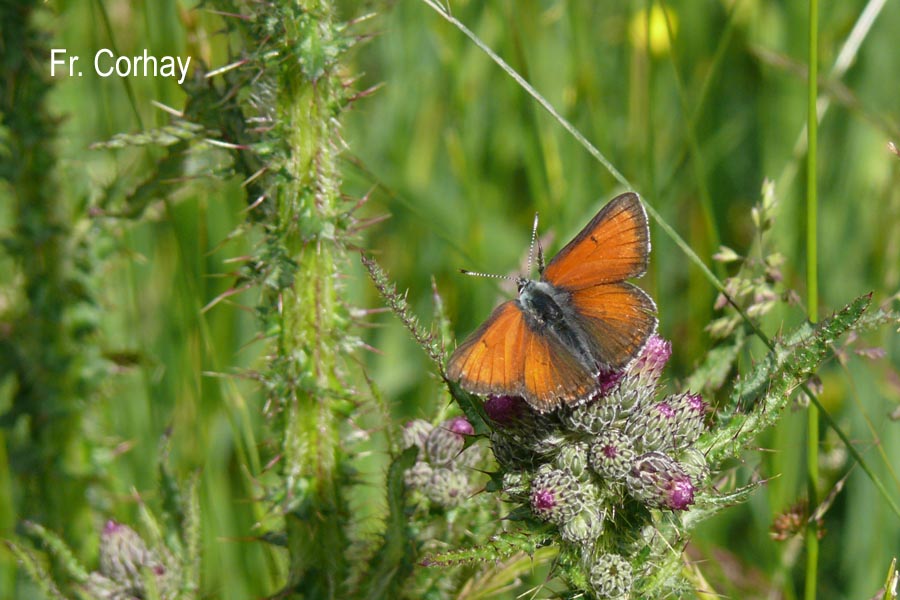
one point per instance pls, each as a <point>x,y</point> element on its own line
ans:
<point>812,289</point>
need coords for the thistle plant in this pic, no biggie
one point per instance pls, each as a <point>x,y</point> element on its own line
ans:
<point>617,481</point>
<point>598,472</point>
<point>161,564</point>
<point>48,308</point>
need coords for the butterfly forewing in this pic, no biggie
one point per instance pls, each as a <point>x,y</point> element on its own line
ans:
<point>618,318</point>
<point>492,359</point>
<point>614,246</point>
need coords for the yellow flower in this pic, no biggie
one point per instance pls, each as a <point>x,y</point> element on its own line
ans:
<point>659,30</point>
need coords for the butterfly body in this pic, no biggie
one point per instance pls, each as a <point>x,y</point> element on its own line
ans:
<point>580,319</point>
<point>548,311</point>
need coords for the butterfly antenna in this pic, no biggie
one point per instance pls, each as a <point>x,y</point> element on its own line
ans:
<point>531,247</point>
<point>488,275</point>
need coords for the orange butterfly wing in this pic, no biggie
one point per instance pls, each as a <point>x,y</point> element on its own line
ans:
<point>492,359</point>
<point>553,374</point>
<point>505,356</point>
<point>618,317</point>
<point>614,246</point>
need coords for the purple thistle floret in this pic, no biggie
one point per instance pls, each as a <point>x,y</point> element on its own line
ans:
<point>654,356</point>
<point>112,527</point>
<point>681,493</point>
<point>459,425</point>
<point>555,496</point>
<point>543,500</point>
<point>695,401</point>
<point>608,381</point>
<point>665,410</point>
<point>505,410</point>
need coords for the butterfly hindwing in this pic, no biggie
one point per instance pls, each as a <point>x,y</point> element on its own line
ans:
<point>614,246</point>
<point>552,373</point>
<point>617,318</point>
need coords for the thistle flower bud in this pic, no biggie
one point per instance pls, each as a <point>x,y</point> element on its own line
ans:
<point>573,457</point>
<point>447,487</point>
<point>555,495</point>
<point>418,475</point>
<point>593,417</point>
<point>649,364</point>
<point>690,412</point>
<point>583,528</point>
<point>630,395</point>
<point>611,455</point>
<point>447,440</point>
<point>653,426</point>
<point>694,464</point>
<point>611,576</point>
<point>103,588</point>
<point>547,441</point>
<point>470,457</point>
<point>123,554</point>
<point>516,485</point>
<point>660,482</point>
<point>415,433</point>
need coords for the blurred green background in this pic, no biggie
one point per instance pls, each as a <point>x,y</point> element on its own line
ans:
<point>461,158</point>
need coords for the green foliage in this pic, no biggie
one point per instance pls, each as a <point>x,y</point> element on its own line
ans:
<point>394,560</point>
<point>499,547</point>
<point>49,357</point>
<point>759,398</point>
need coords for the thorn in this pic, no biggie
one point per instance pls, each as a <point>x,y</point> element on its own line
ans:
<point>227,68</point>
<point>168,109</point>
<point>360,19</point>
<point>275,460</point>
<point>256,203</point>
<point>254,177</point>
<point>366,223</point>
<point>223,13</point>
<point>351,80</point>
<point>226,294</point>
<point>365,93</point>
<point>261,129</point>
<point>227,145</point>
<point>364,312</point>
<point>234,259</point>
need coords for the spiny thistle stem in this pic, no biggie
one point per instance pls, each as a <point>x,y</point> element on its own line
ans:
<point>306,102</point>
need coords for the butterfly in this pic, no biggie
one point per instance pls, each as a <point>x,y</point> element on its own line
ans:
<point>579,320</point>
